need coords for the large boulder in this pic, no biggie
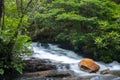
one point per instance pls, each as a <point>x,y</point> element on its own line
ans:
<point>88,65</point>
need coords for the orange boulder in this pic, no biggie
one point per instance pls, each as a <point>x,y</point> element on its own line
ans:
<point>88,65</point>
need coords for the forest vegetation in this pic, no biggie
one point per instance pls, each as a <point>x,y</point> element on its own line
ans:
<point>92,26</point>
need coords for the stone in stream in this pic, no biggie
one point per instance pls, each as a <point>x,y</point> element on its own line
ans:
<point>52,75</point>
<point>41,75</point>
<point>33,65</point>
<point>106,71</point>
<point>113,72</point>
<point>88,65</point>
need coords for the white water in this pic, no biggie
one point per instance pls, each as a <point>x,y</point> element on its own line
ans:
<point>56,54</point>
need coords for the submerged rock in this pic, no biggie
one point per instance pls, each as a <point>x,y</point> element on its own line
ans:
<point>88,65</point>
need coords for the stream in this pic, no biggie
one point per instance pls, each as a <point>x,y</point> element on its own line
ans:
<point>56,54</point>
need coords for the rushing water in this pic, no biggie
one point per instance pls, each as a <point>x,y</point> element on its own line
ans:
<point>57,54</point>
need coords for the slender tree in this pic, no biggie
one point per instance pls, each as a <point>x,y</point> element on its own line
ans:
<point>2,13</point>
<point>12,40</point>
<point>1,7</point>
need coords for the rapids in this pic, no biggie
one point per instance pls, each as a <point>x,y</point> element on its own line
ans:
<point>56,54</point>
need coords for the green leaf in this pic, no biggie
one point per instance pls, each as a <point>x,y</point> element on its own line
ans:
<point>1,71</point>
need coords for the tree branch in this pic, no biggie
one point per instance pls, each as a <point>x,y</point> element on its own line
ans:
<point>12,42</point>
<point>33,10</point>
<point>30,1</point>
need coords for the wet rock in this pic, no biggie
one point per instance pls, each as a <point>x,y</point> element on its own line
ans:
<point>34,65</point>
<point>47,75</point>
<point>106,71</point>
<point>88,65</point>
<point>35,61</point>
<point>45,45</point>
<point>52,75</point>
<point>113,72</point>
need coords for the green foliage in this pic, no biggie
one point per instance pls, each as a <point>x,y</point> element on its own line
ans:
<point>1,71</point>
<point>14,40</point>
<point>90,24</point>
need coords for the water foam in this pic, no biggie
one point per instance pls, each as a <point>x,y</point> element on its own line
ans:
<point>54,53</point>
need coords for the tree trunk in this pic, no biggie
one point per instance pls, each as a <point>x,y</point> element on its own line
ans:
<point>1,8</point>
